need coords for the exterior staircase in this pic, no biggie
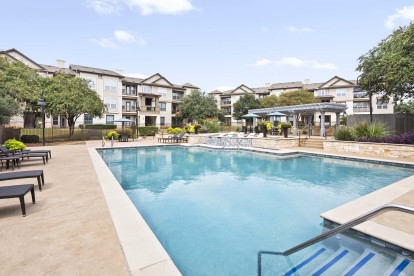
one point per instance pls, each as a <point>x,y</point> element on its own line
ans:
<point>315,143</point>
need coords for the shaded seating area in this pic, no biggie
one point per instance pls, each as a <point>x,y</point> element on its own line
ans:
<point>25,174</point>
<point>18,191</point>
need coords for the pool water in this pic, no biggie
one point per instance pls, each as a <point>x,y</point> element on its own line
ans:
<point>213,210</point>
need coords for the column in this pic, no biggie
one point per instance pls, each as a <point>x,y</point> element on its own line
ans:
<point>322,123</point>
<point>338,118</point>
<point>295,125</point>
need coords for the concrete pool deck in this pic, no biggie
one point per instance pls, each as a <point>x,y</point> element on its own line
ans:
<point>71,229</point>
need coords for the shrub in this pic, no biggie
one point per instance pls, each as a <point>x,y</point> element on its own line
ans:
<point>404,138</point>
<point>285,124</point>
<point>148,130</point>
<point>369,130</point>
<point>360,130</point>
<point>13,144</point>
<point>190,129</point>
<point>213,125</point>
<point>30,138</point>
<point>344,133</point>
<point>111,134</point>
<point>176,130</point>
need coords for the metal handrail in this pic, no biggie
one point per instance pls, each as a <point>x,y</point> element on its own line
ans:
<point>345,226</point>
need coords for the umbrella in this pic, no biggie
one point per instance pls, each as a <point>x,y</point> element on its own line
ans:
<point>251,115</point>
<point>123,120</point>
<point>276,113</point>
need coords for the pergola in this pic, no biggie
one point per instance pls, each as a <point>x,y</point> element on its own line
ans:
<point>304,109</point>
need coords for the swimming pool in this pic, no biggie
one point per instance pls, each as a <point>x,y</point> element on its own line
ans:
<point>213,210</point>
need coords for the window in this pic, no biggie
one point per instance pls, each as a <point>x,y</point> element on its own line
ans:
<point>55,120</point>
<point>177,96</point>
<point>91,82</point>
<point>362,94</point>
<point>162,91</point>
<point>109,119</point>
<point>110,85</point>
<point>87,119</point>
<point>145,89</point>
<point>323,92</point>
<point>162,121</point>
<point>163,106</point>
<point>361,106</point>
<point>341,92</point>
<point>382,104</point>
<point>110,102</point>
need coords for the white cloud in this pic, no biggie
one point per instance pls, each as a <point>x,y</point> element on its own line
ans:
<point>105,42</point>
<point>145,7</point>
<point>124,36</point>
<point>300,63</point>
<point>262,62</point>
<point>294,29</point>
<point>225,88</point>
<point>104,6</point>
<point>136,75</point>
<point>120,36</point>
<point>400,15</point>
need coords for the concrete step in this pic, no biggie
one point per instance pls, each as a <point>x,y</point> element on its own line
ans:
<point>312,143</point>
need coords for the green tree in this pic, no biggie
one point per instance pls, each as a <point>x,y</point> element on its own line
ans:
<point>21,83</point>
<point>70,97</point>
<point>389,67</point>
<point>197,107</point>
<point>296,97</point>
<point>8,108</point>
<point>269,101</point>
<point>242,106</point>
<point>405,107</point>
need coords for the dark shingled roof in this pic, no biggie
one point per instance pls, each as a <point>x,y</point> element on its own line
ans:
<point>94,70</point>
<point>284,85</point>
<point>55,69</point>
<point>132,80</point>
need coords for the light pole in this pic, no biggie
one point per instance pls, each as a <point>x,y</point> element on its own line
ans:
<point>358,88</point>
<point>138,110</point>
<point>42,103</point>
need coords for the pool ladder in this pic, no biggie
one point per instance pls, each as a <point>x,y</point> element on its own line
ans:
<point>345,226</point>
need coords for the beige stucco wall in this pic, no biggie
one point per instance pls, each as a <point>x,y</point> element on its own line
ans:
<point>371,149</point>
<point>274,143</point>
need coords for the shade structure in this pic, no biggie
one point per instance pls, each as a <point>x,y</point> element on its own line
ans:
<point>276,113</point>
<point>123,120</point>
<point>251,115</point>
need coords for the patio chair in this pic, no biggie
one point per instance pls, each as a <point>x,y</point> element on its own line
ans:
<point>15,160</point>
<point>18,191</point>
<point>4,152</point>
<point>181,138</point>
<point>167,139</point>
<point>25,174</point>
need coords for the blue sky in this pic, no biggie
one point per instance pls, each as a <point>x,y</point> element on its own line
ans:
<point>209,43</point>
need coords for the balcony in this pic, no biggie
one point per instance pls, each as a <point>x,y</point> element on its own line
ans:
<point>177,97</point>
<point>360,95</point>
<point>128,109</point>
<point>363,109</point>
<point>150,109</point>
<point>174,111</point>
<point>226,102</point>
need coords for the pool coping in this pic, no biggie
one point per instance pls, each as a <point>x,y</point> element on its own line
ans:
<point>145,255</point>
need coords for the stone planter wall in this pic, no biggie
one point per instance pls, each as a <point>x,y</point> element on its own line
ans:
<point>275,143</point>
<point>197,139</point>
<point>371,149</point>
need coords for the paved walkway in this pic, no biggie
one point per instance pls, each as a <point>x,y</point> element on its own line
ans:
<point>69,230</point>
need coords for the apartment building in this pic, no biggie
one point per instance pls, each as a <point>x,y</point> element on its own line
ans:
<point>153,101</point>
<point>336,90</point>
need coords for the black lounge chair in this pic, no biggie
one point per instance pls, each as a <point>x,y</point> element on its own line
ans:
<point>18,191</point>
<point>15,160</point>
<point>168,139</point>
<point>25,174</point>
<point>9,153</point>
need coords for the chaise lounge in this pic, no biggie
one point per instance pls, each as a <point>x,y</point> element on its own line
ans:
<point>25,174</point>
<point>18,191</point>
<point>5,152</point>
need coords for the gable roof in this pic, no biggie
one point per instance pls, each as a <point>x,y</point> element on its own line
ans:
<point>337,79</point>
<point>187,84</point>
<point>155,78</point>
<point>94,70</point>
<point>215,92</point>
<point>2,53</point>
<point>132,80</point>
<point>242,89</point>
<point>8,53</point>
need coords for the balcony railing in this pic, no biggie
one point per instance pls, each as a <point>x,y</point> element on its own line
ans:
<point>360,95</point>
<point>150,108</point>
<point>225,102</point>
<point>175,111</point>
<point>177,98</point>
<point>363,109</point>
<point>128,109</point>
